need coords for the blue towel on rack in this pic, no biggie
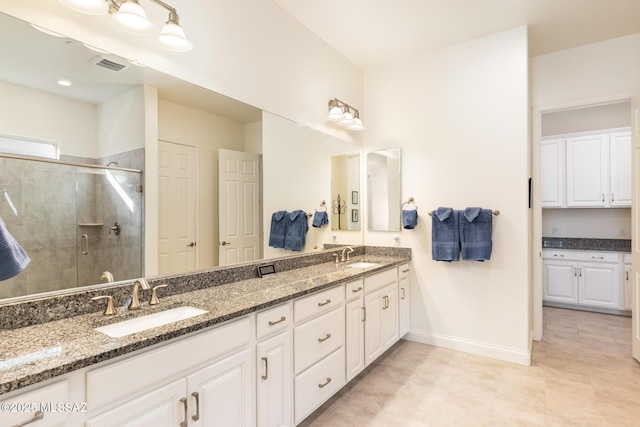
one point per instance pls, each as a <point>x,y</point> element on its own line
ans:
<point>475,234</point>
<point>13,259</point>
<point>320,218</point>
<point>278,229</point>
<point>445,235</point>
<point>409,218</point>
<point>296,230</point>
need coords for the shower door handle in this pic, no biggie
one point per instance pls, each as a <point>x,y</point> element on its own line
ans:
<point>84,244</point>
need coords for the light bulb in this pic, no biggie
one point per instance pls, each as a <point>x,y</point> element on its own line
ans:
<point>172,37</point>
<point>90,7</point>
<point>131,18</point>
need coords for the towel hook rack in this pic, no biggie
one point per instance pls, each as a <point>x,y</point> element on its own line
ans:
<point>323,205</point>
<point>409,202</point>
<point>496,212</point>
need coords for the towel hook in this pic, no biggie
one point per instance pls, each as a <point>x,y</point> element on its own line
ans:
<point>323,205</point>
<point>409,202</point>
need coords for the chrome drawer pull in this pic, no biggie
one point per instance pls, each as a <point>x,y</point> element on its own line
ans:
<point>356,290</point>
<point>597,257</point>
<point>36,417</point>
<point>325,384</point>
<point>403,293</point>
<point>320,304</point>
<point>282,319</point>
<point>186,413</point>
<point>325,338</point>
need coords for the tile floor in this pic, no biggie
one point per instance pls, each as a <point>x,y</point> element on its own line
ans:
<point>582,374</point>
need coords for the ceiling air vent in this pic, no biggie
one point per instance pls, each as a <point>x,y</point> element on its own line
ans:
<point>103,62</point>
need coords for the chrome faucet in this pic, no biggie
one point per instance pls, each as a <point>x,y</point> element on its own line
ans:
<point>135,303</point>
<point>346,252</point>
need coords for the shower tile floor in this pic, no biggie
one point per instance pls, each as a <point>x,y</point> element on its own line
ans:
<point>582,374</point>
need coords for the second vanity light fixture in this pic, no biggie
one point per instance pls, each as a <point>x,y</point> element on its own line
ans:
<point>130,17</point>
<point>344,114</point>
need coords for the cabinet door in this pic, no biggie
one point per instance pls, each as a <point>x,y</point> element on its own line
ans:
<point>354,339</point>
<point>373,344</point>
<point>41,415</point>
<point>559,281</point>
<point>161,407</point>
<point>627,299</point>
<point>390,316</point>
<point>403,306</point>
<point>222,393</point>
<point>620,147</point>
<point>552,160</point>
<point>599,285</point>
<point>275,382</point>
<point>587,170</point>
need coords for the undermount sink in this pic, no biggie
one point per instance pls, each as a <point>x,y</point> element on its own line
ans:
<point>362,264</point>
<point>139,324</point>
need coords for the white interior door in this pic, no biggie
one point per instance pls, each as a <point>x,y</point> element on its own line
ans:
<point>239,207</point>
<point>176,208</point>
<point>635,225</point>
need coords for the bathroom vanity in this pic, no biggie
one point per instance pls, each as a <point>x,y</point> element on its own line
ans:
<point>268,351</point>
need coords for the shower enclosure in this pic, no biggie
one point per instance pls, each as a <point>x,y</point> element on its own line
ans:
<point>74,221</point>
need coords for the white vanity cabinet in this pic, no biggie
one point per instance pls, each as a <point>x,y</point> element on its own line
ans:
<point>403,300</point>
<point>355,319</point>
<point>202,380</point>
<point>319,356</point>
<point>582,278</point>
<point>552,160</point>
<point>381,309</point>
<point>31,408</point>
<point>274,371</point>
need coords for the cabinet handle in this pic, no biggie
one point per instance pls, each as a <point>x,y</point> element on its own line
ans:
<point>196,417</point>
<point>356,290</point>
<point>612,199</point>
<point>597,257</point>
<point>386,302</point>
<point>37,416</point>
<point>364,313</point>
<point>266,369</point>
<point>405,271</point>
<point>325,338</point>
<point>282,319</point>
<point>627,273</point>
<point>602,197</point>
<point>403,293</point>
<point>559,255</point>
<point>185,422</point>
<point>575,272</point>
<point>580,272</point>
<point>325,383</point>
<point>320,304</point>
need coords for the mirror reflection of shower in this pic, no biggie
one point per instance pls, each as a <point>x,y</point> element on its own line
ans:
<point>75,220</point>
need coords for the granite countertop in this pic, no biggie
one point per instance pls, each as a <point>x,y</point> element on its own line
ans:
<point>571,243</point>
<point>36,353</point>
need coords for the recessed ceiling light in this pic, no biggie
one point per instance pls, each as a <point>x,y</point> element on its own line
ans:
<point>64,82</point>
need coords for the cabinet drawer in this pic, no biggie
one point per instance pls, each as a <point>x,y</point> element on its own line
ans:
<point>125,378</point>
<point>590,256</point>
<point>317,338</point>
<point>308,307</point>
<point>316,385</point>
<point>272,320</point>
<point>354,289</point>
<point>403,270</point>
<point>41,397</point>
<point>379,280</point>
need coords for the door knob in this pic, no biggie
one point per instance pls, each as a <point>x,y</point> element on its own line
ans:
<point>223,243</point>
<point>192,244</point>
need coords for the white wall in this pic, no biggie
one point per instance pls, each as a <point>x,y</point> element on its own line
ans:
<point>119,122</point>
<point>32,113</point>
<point>208,133</point>
<point>604,223</point>
<point>460,115</point>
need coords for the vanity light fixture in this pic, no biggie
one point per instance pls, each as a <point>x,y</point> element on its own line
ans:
<point>344,114</point>
<point>130,17</point>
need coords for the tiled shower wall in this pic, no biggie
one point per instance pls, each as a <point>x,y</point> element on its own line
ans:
<point>52,216</point>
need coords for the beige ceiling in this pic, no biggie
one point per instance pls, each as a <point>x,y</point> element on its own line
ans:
<point>371,32</point>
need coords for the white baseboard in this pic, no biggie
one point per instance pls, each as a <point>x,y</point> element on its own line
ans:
<point>474,347</point>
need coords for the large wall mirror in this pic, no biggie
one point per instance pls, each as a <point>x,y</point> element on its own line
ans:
<point>384,179</point>
<point>100,120</point>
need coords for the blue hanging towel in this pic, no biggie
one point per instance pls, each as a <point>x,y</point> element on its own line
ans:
<point>13,259</point>
<point>409,218</point>
<point>278,229</point>
<point>445,235</point>
<point>296,229</point>
<point>320,218</point>
<point>475,234</point>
